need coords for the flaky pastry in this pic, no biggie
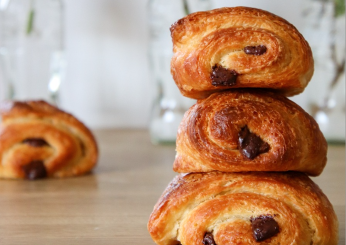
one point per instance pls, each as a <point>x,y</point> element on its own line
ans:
<point>38,140</point>
<point>238,47</point>
<point>249,130</point>
<point>243,208</point>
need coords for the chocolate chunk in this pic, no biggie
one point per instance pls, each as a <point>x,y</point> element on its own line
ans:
<point>223,77</point>
<point>264,227</point>
<point>250,144</point>
<point>255,50</point>
<point>35,170</point>
<point>208,239</point>
<point>82,147</point>
<point>35,142</point>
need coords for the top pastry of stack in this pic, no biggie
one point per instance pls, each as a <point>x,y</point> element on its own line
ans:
<point>241,63</point>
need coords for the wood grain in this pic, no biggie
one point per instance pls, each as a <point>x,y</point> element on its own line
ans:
<point>112,205</point>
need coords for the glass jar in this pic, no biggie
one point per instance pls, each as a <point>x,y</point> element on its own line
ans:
<point>324,29</point>
<point>31,49</point>
<point>169,105</point>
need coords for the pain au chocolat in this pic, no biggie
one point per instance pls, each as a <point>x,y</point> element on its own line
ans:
<point>218,208</point>
<point>249,130</point>
<point>37,140</point>
<point>238,47</point>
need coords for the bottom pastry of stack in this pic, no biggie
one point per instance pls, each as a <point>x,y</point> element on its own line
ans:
<point>243,208</point>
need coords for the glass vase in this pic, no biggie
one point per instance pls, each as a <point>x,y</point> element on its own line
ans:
<point>31,49</point>
<point>324,29</point>
<point>169,106</point>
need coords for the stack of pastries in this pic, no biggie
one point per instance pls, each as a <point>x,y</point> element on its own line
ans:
<point>244,151</point>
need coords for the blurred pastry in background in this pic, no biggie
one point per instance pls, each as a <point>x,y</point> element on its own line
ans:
<point>38,140</point>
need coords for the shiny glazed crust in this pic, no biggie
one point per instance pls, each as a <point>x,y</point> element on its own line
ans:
<point>71,149</point>
<point>207,137</point>
<point>224,203</point>
<point>204,39</point>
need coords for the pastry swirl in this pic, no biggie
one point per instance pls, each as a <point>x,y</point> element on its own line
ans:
<point>249,130</point>
<point>243,208</point>
<point>38,140</point>
<point>238,47</point>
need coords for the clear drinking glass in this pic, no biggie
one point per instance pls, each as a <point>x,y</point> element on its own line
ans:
<point>169,105</point>
<point>31,49</point>
<point>325,31</point>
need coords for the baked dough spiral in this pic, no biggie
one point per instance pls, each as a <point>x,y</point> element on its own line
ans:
<point>238,47</point>
<point>279,135</point>
<point>243,208</point>
<point>37,140</point>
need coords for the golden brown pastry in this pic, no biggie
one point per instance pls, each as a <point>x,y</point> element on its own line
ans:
<point>243,208</point>
<point>249,130</point>
<point>238,47</point>
<point>38,140</point>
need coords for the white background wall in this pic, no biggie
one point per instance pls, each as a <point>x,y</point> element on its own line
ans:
<point>107,79</point>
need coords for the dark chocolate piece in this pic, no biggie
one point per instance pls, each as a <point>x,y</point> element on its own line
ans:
<point>264,227</point>
<point>35,142</point>
<point>223,77</point>
<point>250,144</point>
<point>35,170</point>
<point>82,147</point>
<point>208,239</point>
<point>255,50</point>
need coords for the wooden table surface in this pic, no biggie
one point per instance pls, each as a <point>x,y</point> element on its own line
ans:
<point>112,205</point>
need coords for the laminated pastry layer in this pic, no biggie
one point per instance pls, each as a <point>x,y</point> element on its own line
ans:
<point>243,208</point>
<point>37,140</point>
<point>238,47</point>
<point>249,130</point>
